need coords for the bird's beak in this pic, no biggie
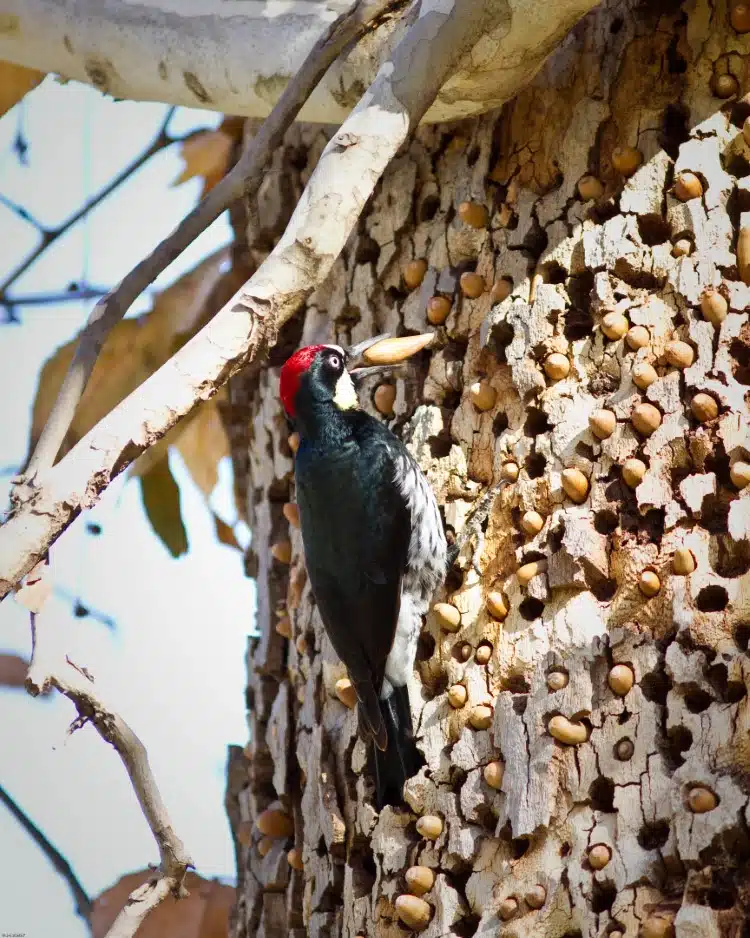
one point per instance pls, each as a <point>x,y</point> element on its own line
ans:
<point>382,353</point>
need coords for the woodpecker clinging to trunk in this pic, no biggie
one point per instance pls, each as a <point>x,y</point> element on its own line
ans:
<point>374,544</point>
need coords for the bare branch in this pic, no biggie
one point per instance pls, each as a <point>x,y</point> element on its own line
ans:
<point>50,235</point>
<point>345,177</point>
<point>80,896</point>
<point>244,179</point>
<point>50,667</point>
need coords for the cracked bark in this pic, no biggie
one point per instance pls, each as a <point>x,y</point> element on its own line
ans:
<point>629,75</point>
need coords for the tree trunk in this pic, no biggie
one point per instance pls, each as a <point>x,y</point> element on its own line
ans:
<point>628,813</point>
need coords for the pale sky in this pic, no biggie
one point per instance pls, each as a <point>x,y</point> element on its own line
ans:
<point>174,666</point>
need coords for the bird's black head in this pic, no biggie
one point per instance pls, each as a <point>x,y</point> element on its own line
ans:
<point>316,375</point>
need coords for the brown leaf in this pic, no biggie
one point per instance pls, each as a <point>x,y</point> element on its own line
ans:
<point>13,670</point>
<point>161,501</point>
<point>206,154</point>
<point>202,914</point>
<point>203,443</point>
<point>224,534</point>
<point>15,82</point>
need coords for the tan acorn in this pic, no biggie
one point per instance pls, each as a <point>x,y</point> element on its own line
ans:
<point>649,583</point>
<point>536,897</point>
<point>701,799</point>
<point>687,186</point>
<point>291,513</point>
<point>384,398</point>
<point>497,606</point>
<point>483,395</point>
<point>633,471</point>
<point>528,571</point>
<point>509,472</point>
<point>571,734</point>
<point>282,551</point>
<point>724,86</point>
<point>532,522</point>
<point>414,273</point>
<point>414,912</point>
<point>679,354</point>
<point>481,717</point>
<point>473,214</point>
<point>507,909</point>
<point>646,418</point>
<point>739,17</point>
<point>294,859</point>
<point>621,679</point>
<point>615,326</point>
<point>464,651</point>
<point>683,561</point>
<point>626,160</point>
<point>273,822</point>
<point>637,337</point>
<point>430,826</point>
<point>739,473</point>
<point>301,644</point>
<point>602,423</point>
<point>714,306</point>
<point>447,616</point>
<point>657,926</point>
<point>624,750</point>
<point>472,285</point>
<point>599,856</point>
<point>575,484</point>
<point>494,772</point>
<point>284,627</point>
<point>438,310</point>
<point>483,653</point>
<point>589,187</point>
<point>704,407</point>
<point>394,350</point>
<point>293,440</point>
<point>419,879</point>
<point>457,696</point>
<point>345,692</point>
<point>557,366</point>
<point>501,290</point>
<point>557,680</point>
<point>643,375</point>
<point>743,255</point>
<point>683,247</point>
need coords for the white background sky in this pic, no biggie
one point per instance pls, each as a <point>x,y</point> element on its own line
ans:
<point>174,665</point>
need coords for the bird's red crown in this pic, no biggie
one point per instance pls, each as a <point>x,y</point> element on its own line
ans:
<point>292,372</point>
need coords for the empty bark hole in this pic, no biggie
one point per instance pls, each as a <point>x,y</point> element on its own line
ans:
<point>712,599</point>
<point>536,422</point>
<point>653,836</point>
<point>602,794</point>
<point>531,608</point>
<point>697,700</point>
<point>535,465</point>
<point>679,740</point>
<point>602,896</point>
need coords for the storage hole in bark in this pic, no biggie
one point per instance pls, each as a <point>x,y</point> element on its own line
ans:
<point>603,588</point>
<point>429,207</point>
<point>425,646</point>
<point>679,740</point>
<point>653,229</point>
<point>655,686</point>
<point>742,636</point>
<point>440,444</point>
<point>729,558</point>
<point>535,465</point>
<point>728,691</point>
<point>675,129</point>
<point>536,422</point>
<point>602,794</point>
<point>739,351</point>
<point>653,836</point>
<point>531,608</point>
<point>697,700</point>
<point>519,846</point>
<point>500,337</point>
<point>603,896</point>
<point>499,424</point>
<point>712,599</point>
<point>605,521</point>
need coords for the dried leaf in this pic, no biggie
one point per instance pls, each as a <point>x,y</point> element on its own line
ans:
<point>202,914</point>
<point>203,443</point>
<point>13,670</point>
<point>15,82</point>
<point>161,501</point>
<point>206,154</point>
<point>224,534</point>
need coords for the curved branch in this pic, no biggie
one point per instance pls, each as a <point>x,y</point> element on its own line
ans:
<point>237,56</point>
<point>244,179</point>
<point>61,865</point>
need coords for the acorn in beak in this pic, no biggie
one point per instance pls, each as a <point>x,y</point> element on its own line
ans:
<point>382,353</point>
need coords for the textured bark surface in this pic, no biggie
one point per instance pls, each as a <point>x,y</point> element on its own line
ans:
<point>517,861</point>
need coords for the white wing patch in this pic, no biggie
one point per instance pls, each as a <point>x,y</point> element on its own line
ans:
<point>425,569</point>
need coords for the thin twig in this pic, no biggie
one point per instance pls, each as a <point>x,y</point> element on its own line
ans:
<point>55,297</point>
<point>244,179</point>
<point>80,896</point>
<point>51,668</point>
<point>50,235</point>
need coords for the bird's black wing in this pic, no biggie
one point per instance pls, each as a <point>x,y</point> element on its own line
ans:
<point>356,528</point>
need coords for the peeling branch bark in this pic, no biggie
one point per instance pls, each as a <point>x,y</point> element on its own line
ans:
<point>344,179</point>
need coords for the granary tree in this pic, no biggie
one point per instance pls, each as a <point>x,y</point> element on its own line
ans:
<point>560,192</point>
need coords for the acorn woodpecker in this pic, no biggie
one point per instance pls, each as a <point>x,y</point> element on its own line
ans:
<point>374,544</point>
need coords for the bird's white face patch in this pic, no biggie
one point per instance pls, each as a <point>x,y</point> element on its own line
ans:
<point>345,394</point>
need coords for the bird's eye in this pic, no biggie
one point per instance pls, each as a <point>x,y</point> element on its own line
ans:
<point>335,361</point>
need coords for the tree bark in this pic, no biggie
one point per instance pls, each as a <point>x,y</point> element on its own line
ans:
<point>237,56</point>
<point>629,815</point>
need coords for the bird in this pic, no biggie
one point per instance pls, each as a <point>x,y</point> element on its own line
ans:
<point>374,544</point>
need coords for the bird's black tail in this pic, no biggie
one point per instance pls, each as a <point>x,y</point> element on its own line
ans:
<point>401,759</point>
